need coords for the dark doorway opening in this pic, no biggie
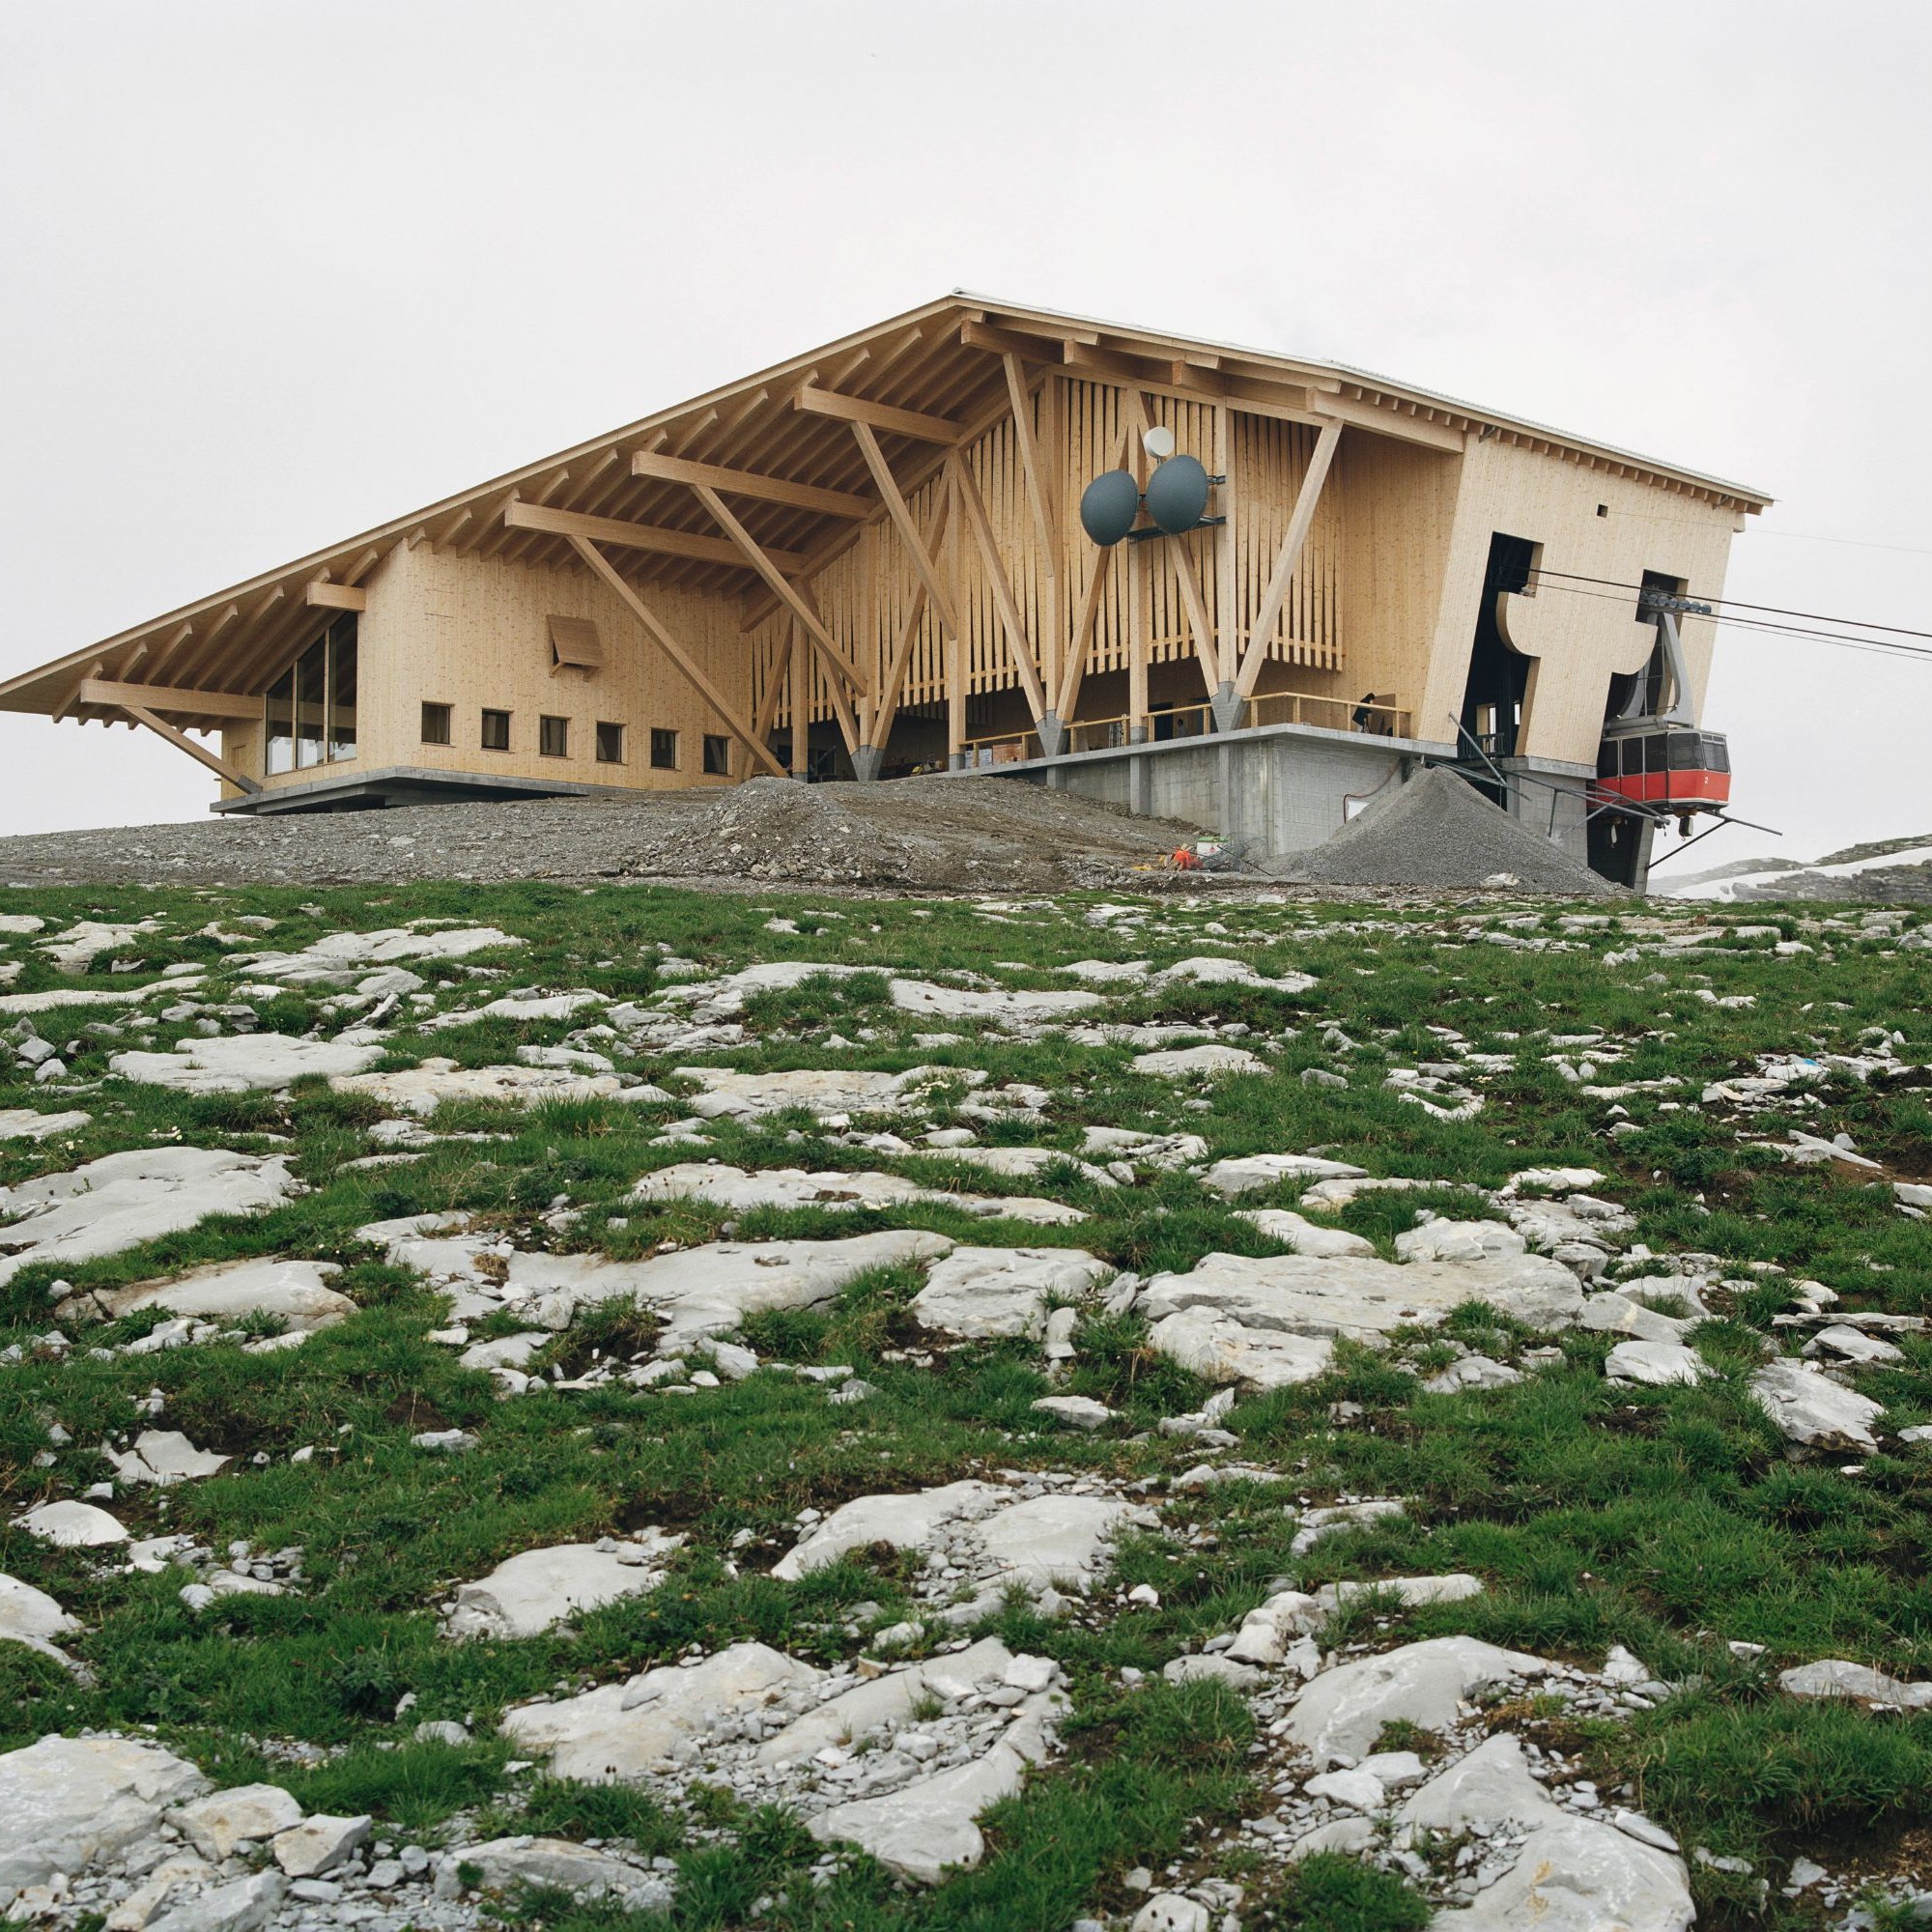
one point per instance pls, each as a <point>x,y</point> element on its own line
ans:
<point>1498,676</point>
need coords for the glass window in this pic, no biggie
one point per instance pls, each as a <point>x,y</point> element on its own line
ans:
<point>717,755</point>
<point>1717,753</point>
<point>554,737</point>
<point>279,731</point>
<point>1687,751</point>
<point>311,681</point>
<point>342,667</point>
<point>495,731</point>
<point>610,744</point>
<point>436,723</point>
<point>1607,758</point>
<point>1654,753</point>
<point>663,749</point>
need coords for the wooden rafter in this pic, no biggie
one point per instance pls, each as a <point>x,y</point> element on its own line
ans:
<point>675,651</point>
<point>902,521</point>
<point>574,524</point>
<point>200,754</point>
<point>767,713</point>
<point>320,595</point>
<point>747,483</point>
<point>891,686</point>
<point>1300,523</point>
<point>857,411</point>
<point>787,593</point>
<point>121,697</point>
<point>1019,644</point>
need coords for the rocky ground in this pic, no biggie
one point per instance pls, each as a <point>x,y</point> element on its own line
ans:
<point>593,1408</point>
<point>1890,871</point>
<point>929,835</point>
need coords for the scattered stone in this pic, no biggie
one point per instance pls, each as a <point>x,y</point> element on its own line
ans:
<point>66,1803</point>
<point>236,1064</point>
<point>320,1844</point>
<point>980,1294</point>
<point>1813,1411</point>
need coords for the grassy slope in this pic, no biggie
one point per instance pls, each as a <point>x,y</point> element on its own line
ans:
<point>1669,1520</point>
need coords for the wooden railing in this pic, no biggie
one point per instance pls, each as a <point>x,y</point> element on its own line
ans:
<point>1337,714</point>
<point>1366,715</point>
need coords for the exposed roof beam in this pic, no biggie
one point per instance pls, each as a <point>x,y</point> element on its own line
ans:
<point>321,596</point>
<point>1008,342</point>
<point>876,416</point>
<point>164,697</point>
<point>784,590</point>
<point>637,536</point>
<point>200,754</point>
<point>694,674</point>
<point>746,483</point>
<point>1389,422</point>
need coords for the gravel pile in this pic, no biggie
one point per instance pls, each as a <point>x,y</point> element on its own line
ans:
<point>1438,831</point>
<point>919,835</point>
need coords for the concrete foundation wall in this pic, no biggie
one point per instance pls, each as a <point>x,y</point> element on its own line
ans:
<point>1289,789</point>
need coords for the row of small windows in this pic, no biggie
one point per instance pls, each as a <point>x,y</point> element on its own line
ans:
<point>553,739</point>
<point>1664,752</point>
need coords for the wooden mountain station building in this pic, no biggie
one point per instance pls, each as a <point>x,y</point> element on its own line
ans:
<point>872,560</point>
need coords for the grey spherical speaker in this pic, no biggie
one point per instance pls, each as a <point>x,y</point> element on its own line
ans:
<point>1177,494</point>
<point>1109,506</point>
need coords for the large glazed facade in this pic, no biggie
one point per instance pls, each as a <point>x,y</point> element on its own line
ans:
<point>870,560</point>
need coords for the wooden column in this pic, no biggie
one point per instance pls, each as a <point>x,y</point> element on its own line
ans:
<point>800,700</point>
<point>955,649</point>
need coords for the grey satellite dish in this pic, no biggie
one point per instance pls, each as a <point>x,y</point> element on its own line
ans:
<point>1109,506</point>
<point>1158,442</point>
<point>1177,494</point>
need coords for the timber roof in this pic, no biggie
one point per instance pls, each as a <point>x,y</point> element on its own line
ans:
<point>941,362</point>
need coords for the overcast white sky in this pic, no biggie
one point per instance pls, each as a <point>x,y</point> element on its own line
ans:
<point>270,273</point>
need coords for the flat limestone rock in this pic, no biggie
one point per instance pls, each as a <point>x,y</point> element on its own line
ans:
<point>165,1457</point>
<point>630,1731</point>
<point>1459,1241</point>
<point>422,1088</point>
<point>884,1703</point>
<point>725,997</point>
<point>123,1198</point>
<point>820,1092</point>
<point>1242,1306</point>
<point>1491,1786</point>
<point>925,1828</point>
<point>1409,1591</point>
<point>1303,1237</point>
<point>536,1590</point>
<point>999,1006</point>
<point>1211,970</point>
<point>982,1292</point>
<point>1024,1163</point>
<point>297,1293</point>
<point>250,1814</point>
<point>28,1612</point>
<point>1812,1410</point>
<point>68,1802</point>
<point>23,1123</point>
<point>242,1905</point>
<point>1341,1713</point>
<point>904,1522</point>
<point>1250,1170</point>
<point>1838,1677</point>
<point>1199,1062</point>
<point>1655,1364</point>
<point>341,958</point>
<point>1055,1540</point>
<point>709,1290</point>
<point>1615,1314</point>
<point>739,1189</point>
<point>1223,1350</point>
<point>72,1525</point>
<point>1581,1876</point>
<point>238,1062</point>
<point>570,1867</point>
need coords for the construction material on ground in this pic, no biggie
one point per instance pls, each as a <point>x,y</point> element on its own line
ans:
<point>1438,831</point>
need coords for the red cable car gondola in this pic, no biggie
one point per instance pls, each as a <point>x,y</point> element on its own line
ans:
<point>1668,767</point>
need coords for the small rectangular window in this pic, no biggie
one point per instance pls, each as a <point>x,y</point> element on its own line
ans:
<point>436,723</point>
<point>717,755</point>
<point>554,737</point>
<point>610,744</point>
<point>663,749</point>
<point>495,731</point>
